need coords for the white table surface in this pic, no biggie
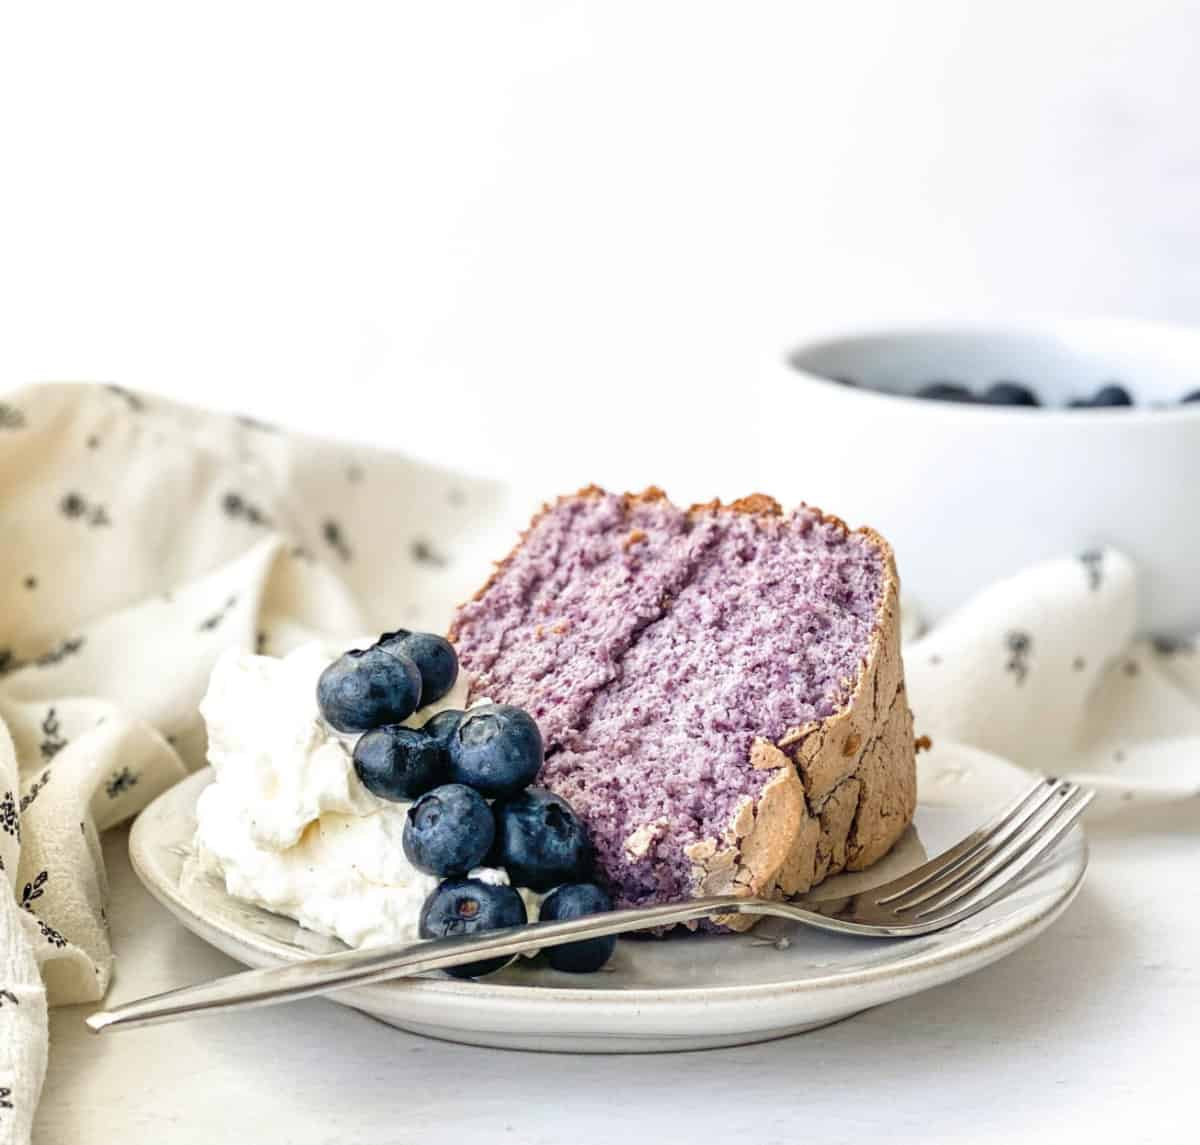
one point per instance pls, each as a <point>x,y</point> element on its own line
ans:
<point>1088,1035</point>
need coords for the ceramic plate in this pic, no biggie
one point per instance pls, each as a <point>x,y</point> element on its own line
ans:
<point>685,992</point>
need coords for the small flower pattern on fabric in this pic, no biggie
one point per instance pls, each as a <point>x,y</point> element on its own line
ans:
<point>53,741</point>
<point>66,648</point>
<point>55,655</point>
<point>256,423</point>
<point>34,890</point>
<point>120,782</point>
<point>238,508</point>
<point>1019,646</point>
<point>34,790</point>
<point>331,531</point>
<point>425,554</point>
<point>1174,645</point>
<point>11,662</point>
<point>10,821</point>
<point>212,622</point>
<point>1093,565</point>
<point>30,893</point>
<point>76,507</point>
<point>51,935</point>
<point>135,402</point>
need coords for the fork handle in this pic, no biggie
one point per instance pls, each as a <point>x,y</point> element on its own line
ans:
<point>274,984</point>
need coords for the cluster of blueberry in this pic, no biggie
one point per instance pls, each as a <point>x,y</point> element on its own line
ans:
<point>450,767</point>
<point>1017,394</point>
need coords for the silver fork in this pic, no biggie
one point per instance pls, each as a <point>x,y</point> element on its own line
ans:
<point>956,884</point>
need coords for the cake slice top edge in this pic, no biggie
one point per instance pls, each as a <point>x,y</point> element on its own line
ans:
<point>751,503</point>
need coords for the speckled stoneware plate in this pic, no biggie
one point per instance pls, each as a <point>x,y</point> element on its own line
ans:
<point>679,993</point>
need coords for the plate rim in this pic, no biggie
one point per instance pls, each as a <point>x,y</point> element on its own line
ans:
<point>482,991</point>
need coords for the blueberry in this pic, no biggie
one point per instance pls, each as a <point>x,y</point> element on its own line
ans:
<point>1194,396</point>
<point>1112,395</point>
<point>1105,396</point>
<point>540,840</point>
<point>434,657</point>
<point>945,392</point>
<point>448,830</point>
<point>497,749</point>
<point>575,900</point>
<point>442,726</point>
<point>395,762</point>
<point>470,906</point>
<point>367,689</point>
<point>1010,394</point>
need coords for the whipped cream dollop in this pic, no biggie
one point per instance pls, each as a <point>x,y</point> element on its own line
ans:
<point>287,822</point>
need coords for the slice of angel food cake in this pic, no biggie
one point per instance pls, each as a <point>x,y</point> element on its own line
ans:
<point>719,689</point>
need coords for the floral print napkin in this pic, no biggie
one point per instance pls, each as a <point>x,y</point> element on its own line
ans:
<point>141,539</point>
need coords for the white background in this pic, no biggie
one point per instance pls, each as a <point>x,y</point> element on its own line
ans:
<point>570,234</point>
<point>561,240</point>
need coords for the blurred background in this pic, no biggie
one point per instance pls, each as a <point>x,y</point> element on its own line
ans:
<point>565,238</point>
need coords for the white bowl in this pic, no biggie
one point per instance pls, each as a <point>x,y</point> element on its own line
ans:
<point>969,493</point>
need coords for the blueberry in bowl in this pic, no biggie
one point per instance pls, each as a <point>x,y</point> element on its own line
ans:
<point>1106,396</point>
<point>399,763</point>
<point>448,831</point>
<point>945,392</point>
<point>367,688</point>
<point>1010,394</point>
<point>471,906</point>
<point>433,655</point>
<point>577,900</point>
<point>496,749</point>
<point>540,841</point>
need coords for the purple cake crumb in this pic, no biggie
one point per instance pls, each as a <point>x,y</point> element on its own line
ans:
<point>653,645</point>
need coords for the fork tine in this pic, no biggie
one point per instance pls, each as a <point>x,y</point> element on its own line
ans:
<point>963,852</point>
<point>989,853</point>
<point>968,864</point>
<point>1015,857</point>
